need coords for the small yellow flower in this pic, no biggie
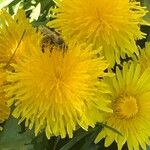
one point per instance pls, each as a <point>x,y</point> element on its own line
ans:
<point>130,96</point>
<point>15,35</point>
<point>58,89</point>
<point>113,24</point>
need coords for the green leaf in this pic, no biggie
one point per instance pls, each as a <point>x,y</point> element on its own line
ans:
<point>41,142</point>
<point>77,138</point>
<point>147,4</point>
<point>80,135</point>
<point>89,141</point>
<point>11,137</point>
<point>148,148</point>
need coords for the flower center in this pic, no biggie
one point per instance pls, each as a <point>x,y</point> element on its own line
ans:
<point>127,107</point>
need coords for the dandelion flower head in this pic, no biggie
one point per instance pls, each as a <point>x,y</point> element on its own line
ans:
<point>115,25</point>
<point>130,90</point>
<point>58,89</point>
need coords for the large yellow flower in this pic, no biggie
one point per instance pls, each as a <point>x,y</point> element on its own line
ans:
<point>57,90</point>
<point>15,35</point>
<point>131,105</point>
<point>4,109</point>
<point>113,24</point>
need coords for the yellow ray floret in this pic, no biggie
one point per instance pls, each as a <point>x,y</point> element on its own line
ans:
<point>131,108</point>
<point>4,109</point>
<point>113,24</point>
<point>144,56</point>
<point>57,90</point>
<point>15,34</point>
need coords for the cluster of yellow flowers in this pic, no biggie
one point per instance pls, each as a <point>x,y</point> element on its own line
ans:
<point>60,89</point>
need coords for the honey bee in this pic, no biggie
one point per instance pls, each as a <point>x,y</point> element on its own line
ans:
<point>50,38</point>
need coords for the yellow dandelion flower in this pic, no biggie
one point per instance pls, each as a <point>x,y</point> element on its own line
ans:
<point>131,108</point>
<point>113,24</point>
<point>15,34</point>
<point>4,109</point>
<point>58,90</point>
